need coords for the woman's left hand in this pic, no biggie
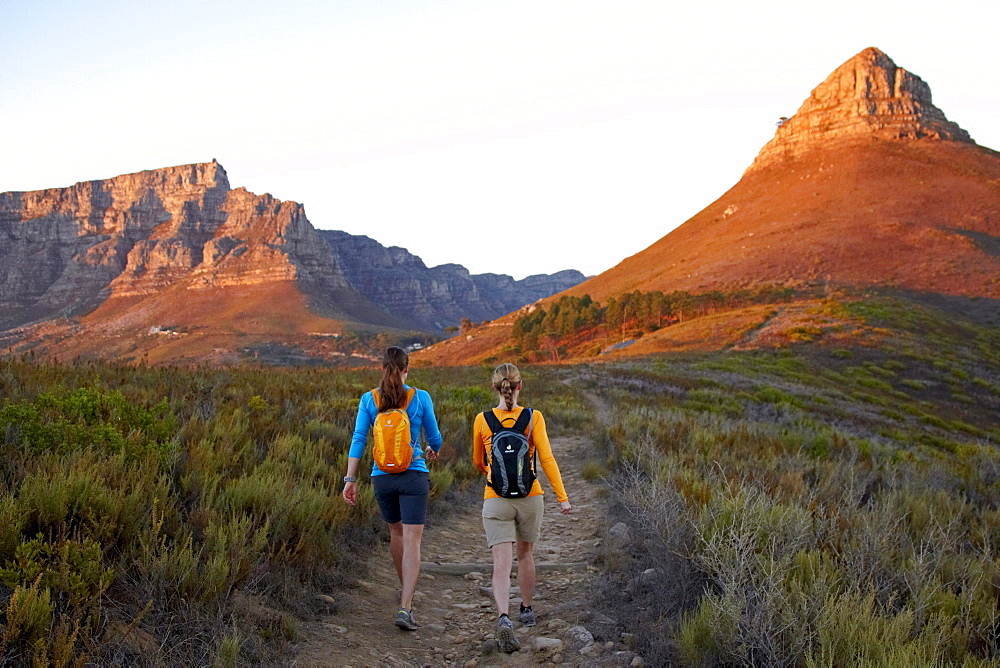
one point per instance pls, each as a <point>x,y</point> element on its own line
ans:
<point>350,493</point>
<point>429,453</point>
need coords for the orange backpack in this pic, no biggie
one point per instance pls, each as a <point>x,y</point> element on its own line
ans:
<point>392,451</point>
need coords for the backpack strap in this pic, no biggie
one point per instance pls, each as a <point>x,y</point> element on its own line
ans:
<point>523,420</point>
<point>410,393</point>
<point>524,426</point>
<point>492,421</point>
<point>521,425</point>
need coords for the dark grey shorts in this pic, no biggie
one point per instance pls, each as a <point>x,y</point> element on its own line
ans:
<point>402,496</point>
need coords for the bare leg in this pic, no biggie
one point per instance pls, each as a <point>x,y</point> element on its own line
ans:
<point>410,562</point>
<point>526,571</point>
<point>503,558</point>
<point>396,548</point>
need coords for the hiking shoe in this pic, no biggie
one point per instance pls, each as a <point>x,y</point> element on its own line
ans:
<point>506,639</point>
<point>404,620</point>
<point>527,616</point>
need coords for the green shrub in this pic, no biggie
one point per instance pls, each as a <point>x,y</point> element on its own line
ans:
<point>89,418</point>
<point>852,631</point>
<point>441,480</point>
<point>28,615</point>
<point>593,471</point>
<point>73,569</point>
<point>331,433</point>
<point>702,634</point>
<point>229,649</point>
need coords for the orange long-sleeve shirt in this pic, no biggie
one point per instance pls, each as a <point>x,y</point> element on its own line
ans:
<point>538,440</point>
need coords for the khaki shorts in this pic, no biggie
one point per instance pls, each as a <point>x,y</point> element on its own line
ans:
<point>508,520</point>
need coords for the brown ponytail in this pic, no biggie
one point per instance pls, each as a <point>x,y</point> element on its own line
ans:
<point>391,393</point>
<point>506,378</point>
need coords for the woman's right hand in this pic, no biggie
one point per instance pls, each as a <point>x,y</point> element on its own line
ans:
<point>565,508</point>
<point>350,493</point>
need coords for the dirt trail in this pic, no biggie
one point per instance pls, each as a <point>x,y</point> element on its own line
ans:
<point>456,611</point>
<point>749,338</point>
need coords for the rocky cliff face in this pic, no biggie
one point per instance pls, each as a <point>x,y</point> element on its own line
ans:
<point>67,250</point>
<point>436,297</point>
<point>867,98</point>
<point>65,246</point>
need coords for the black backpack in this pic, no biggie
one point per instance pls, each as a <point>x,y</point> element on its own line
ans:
<point>512,472</point>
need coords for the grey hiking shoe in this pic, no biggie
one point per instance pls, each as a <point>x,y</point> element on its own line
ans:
<point>506,639</point>
<point>404,620</point>
<point>527,616</point>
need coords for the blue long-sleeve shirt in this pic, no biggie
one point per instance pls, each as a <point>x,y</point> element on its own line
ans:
<point>421,413</point>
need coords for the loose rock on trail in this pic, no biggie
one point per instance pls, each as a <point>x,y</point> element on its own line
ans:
<point>454,602</point>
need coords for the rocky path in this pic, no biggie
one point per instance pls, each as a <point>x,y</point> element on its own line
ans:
<point>454,604</point>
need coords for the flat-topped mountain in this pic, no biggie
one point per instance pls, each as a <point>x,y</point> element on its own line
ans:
<point>70,249</point>
<point>178,246</point>
<point>869,184</point>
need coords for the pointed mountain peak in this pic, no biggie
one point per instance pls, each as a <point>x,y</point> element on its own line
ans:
<point>868,97</point>
<point>871,55</point>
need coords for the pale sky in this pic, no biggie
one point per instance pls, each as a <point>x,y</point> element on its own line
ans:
<point>508,136</point>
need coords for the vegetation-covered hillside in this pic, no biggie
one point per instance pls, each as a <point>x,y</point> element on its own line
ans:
<point>630,324</point>
<point>187,516</point>
<point>581,327</point>
<point>815,504</point>
<point>811,506</point>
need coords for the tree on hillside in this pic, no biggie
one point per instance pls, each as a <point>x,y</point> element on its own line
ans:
<point>551,343</point>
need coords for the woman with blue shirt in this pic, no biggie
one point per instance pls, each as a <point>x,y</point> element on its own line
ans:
<point>402,497</point>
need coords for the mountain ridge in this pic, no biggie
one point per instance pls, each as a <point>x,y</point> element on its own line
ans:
<point>147,242</point>
<point>434,296</point>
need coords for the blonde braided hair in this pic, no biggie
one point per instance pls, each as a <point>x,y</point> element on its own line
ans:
<point>506,378</point>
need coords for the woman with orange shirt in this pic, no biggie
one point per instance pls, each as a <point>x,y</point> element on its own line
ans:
<point>515,519</point>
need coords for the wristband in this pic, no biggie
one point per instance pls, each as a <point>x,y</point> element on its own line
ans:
<point>350,478</point>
